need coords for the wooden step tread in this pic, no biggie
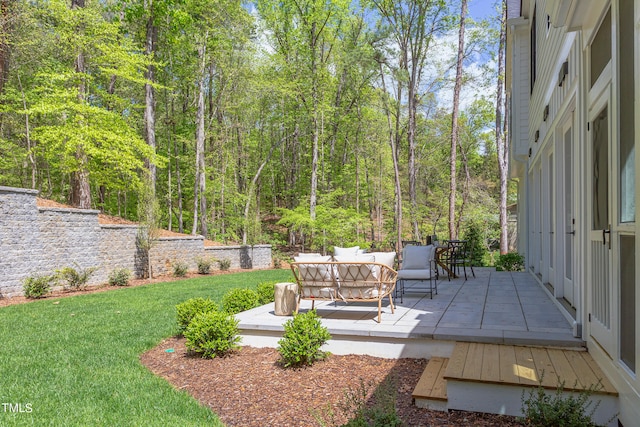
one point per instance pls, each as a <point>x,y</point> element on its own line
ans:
<point>432,384</point>
<point>532,366</point>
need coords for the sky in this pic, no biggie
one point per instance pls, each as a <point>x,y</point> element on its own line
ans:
<point>482,9</point>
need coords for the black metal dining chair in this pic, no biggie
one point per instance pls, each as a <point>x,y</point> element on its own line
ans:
<point>460,256</point>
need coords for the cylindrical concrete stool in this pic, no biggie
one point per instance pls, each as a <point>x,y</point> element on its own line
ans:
<point>285,298</point>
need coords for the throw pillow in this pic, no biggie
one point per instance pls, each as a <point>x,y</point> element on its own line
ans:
<point>386,258</point>
<point>416,257</point>
<point>352,251</point>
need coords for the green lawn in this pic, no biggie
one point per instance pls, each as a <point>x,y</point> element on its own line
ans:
<point>75,361</point>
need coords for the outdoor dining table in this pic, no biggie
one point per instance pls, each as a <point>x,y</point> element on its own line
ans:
<point>440,250</point>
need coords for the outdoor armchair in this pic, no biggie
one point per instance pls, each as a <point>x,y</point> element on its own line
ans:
<point>418,265</point>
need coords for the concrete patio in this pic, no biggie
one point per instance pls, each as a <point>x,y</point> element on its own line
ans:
<point>494,307</point>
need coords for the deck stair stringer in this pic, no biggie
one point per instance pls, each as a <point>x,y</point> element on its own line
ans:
<point>494,378</point>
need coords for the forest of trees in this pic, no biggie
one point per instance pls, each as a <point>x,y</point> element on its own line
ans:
<point>291,122</point>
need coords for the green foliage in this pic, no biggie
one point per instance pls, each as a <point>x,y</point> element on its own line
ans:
<point>38,286</point>
<point>356,406</point>
<point>74,279</point>
<point>512,261</point>
<point>224,264</point>
<point>277,257</point>
<point>266,292</point>
<point>58,120</point>
<point>303,336</point>
<point>180,268</point>
<point>187,310</point>
<point>119,277</point>
<point>381,414</point>
<point>473,234</point>
<point>204,265</point>
<point>212,334</point>
<point>545,409</point>
<point>334,225</point>
<point>239,299</point>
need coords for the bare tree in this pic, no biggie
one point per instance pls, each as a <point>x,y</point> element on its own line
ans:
<point>454,124</point>
<point>80,190</point>
<point>149,105</point>
<point>413,24</point>
<point>200,183</point>
<point>502,140</point>
<point>396,169</point>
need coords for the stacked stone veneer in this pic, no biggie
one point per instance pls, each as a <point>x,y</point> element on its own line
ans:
<point>39,240</point>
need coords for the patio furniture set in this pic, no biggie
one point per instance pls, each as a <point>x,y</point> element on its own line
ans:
<point>352,275</point>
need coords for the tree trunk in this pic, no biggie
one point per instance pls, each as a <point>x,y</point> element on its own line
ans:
<point>465,187</point>
<point>454,124</point>
<point>27,133</point>
<point>200,137</point>
<point>80,190</point>
<point>149,106</point>
<point>313,198</point>
<point>396,170</point>
<point>502,141</point>
<point>5,50</point>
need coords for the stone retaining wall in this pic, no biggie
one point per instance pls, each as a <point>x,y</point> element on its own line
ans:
<point>39,240</point>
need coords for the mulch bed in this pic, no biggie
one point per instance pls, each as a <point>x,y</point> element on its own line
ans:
<point>251,388</point>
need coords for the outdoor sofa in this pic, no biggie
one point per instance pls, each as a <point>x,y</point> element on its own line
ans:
<point>351,277</point>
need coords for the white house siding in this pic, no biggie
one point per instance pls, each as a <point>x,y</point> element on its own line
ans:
<point>568,42</point>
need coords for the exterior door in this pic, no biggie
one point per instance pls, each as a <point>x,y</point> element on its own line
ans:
<point>567,220</point>
<point>549,238</point>
<point>535,242</point>
<point>601,202</point>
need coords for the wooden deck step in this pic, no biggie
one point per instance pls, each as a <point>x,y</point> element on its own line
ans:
<point>527,366</point>
<point>494,378</point>
<point>431,390</point>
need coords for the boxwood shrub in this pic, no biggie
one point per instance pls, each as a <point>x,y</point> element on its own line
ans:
<point>302,339</point>
<point>239,299</point>
<point>187,310</point>
<point>212,334</point>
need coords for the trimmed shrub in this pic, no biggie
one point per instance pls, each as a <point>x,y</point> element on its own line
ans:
<point>303,336</point>
<point>180,269</point>
<point>224,264</point>
<point>119,277</point>
<point>212,334</point>
<point>74,279</point>
<point>37,286</point>
<point>187,310</point>
<point>238,300</point>
<point>204,265</point>
<point>512,261</point>
<point>266,292</point>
